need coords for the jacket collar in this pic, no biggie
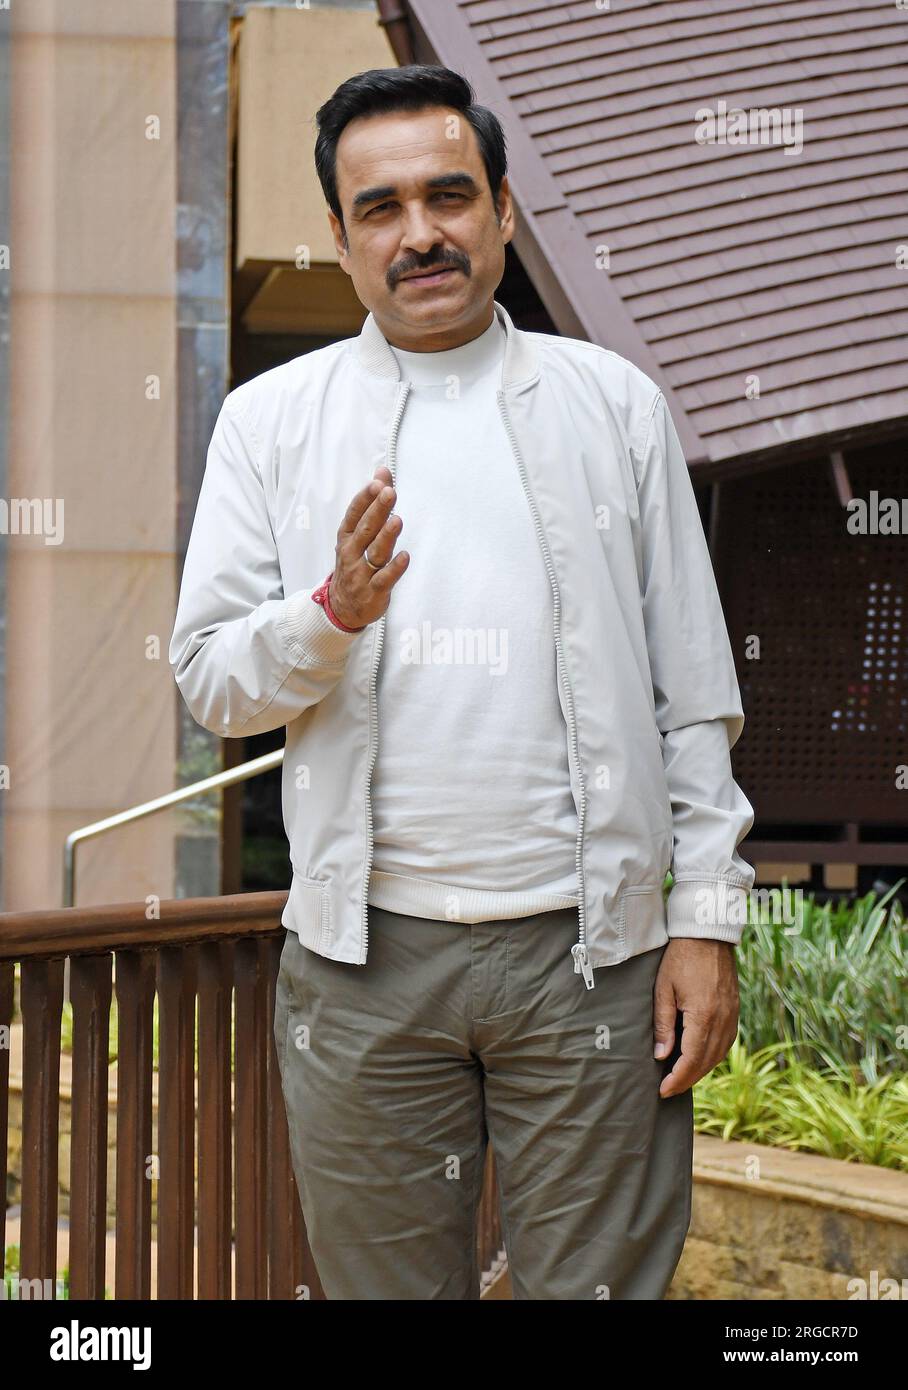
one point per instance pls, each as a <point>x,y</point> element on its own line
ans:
<point>521,356</point>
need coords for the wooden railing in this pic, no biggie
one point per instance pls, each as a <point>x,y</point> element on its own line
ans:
<point>228,1219</point>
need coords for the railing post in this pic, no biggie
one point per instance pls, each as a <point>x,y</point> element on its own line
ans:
<point>135,1000</point>
<point>42,1004</point>
<point>91,977</point>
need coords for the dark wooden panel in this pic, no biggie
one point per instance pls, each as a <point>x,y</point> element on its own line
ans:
<point>826,703</point>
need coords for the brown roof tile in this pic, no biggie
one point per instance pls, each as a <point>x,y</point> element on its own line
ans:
<point>725,259</point>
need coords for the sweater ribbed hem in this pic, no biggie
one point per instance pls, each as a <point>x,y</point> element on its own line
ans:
<point>448,902</point>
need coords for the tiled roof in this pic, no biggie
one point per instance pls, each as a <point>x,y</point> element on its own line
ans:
<point>726,261</point>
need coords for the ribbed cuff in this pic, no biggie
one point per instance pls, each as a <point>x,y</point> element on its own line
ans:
<point>708,908</point>
<point>306,625</point>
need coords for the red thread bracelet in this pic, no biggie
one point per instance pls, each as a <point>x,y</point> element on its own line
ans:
<point>320,595</point>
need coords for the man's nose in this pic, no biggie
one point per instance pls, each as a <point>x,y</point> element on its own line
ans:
<point>420,231</point>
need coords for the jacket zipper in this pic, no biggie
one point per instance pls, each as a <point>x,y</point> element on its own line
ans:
<point>579,951</point>
<point>373,716</point>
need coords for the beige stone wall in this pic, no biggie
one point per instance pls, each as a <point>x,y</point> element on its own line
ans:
<point>290,61</point>
<point>90,705</point>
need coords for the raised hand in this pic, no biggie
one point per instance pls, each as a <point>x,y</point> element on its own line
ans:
<point>366,568</point>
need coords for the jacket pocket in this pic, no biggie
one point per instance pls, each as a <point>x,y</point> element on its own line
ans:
<point>309,905</point>
<point>644,920</point>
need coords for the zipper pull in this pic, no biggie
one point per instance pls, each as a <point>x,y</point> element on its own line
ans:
<point>582,964</point>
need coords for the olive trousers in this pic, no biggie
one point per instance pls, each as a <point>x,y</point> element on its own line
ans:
<point>396,1074</point>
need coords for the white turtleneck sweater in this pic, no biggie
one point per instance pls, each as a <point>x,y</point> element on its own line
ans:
<point>473,816</point>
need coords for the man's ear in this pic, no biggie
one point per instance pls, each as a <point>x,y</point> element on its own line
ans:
<point>504,209</point>
<point>341,244</point>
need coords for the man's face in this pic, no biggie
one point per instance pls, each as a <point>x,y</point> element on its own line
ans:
<point>416,197</point>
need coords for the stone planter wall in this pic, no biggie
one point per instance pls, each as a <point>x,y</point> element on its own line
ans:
<point>772,1224</point>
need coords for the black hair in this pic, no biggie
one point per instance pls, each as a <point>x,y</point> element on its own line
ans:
<point>411,88</point>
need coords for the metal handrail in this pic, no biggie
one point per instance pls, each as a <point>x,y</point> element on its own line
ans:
<point>241,773</point>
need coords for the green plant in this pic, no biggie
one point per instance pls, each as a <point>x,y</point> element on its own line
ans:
<point>828,1111</point>
<point>12,1268</point>
<point>834,986</point>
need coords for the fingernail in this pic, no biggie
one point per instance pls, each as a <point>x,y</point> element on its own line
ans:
<point>660,1049</point>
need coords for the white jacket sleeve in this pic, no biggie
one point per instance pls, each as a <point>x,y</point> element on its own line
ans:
<point>245,657</point>
<point>697,699</point>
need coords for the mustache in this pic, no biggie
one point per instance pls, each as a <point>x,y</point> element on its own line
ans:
<point>450,260</point>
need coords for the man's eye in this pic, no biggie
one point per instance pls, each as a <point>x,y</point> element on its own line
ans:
<point>443,193</point>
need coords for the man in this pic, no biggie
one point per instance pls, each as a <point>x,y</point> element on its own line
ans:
<point>499,740</point>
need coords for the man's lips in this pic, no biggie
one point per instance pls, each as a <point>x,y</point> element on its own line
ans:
<point>430,274</point>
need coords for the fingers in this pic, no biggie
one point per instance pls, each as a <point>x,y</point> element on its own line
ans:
<point>359,592</point>
<point>691,1065</point>
<point>358,507</point>
<point>371,521</point>
<point>381,548</point>
<point>384,579</point>
<point>664,1014</point>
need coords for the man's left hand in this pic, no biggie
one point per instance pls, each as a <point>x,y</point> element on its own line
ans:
<point>700,978</point>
